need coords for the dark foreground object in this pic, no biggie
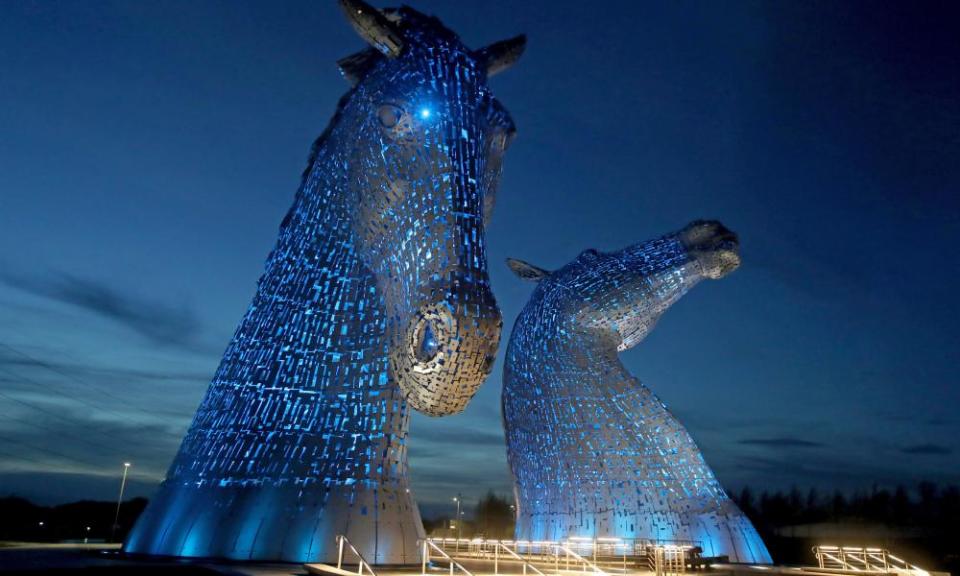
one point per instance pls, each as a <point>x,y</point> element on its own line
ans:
<point>80,560</point>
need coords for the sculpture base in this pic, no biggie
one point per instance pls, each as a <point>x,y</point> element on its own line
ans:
<point>717,534</point>
<point>289,523</point>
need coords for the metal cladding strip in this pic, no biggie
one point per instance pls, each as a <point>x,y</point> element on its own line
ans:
<point>593,452</point>
<point>374,300</point>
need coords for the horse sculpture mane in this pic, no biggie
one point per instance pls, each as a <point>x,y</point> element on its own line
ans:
<point>374,299</point>
<point>593,452</point>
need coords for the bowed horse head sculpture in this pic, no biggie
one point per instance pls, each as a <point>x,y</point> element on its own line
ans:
<point>608,295</point>
<point>592,450</point>
<point>427,139</point>
<point>374,300</point>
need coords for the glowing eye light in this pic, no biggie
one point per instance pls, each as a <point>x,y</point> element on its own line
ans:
<point>424,113</point>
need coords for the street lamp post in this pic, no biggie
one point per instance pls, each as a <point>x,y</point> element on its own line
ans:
<point>458,499</point>
<point>123,484</point>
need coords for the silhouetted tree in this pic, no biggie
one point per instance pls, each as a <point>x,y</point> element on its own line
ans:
<point>838,506</point>
<point>494,517</point>
<point>745,501</point>
<point>23,520</point>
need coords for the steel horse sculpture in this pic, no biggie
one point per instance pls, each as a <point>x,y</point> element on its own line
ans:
<point>374,300</point>
<point>593,451</point>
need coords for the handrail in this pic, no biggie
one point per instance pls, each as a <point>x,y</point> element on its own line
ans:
<point>862,559</point>
<point>668,559</point>
<point>427,544</point>
<point>865,559</point>
<point>586,563</point>
<point>554,548</point>
<point>341,541</point>
<point>496,559</point>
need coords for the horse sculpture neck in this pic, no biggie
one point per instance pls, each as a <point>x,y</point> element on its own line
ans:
<point>374,301</point>
<point>593,451</point>
<point>302,398</point>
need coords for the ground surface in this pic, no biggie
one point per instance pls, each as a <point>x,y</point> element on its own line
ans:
<point>96,559</point>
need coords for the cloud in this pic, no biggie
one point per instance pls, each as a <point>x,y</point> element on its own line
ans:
<point>465,438</point>
<point>434,486</point>
<point>447,459</point>
<point>781,442</point>
<point>821,472</point>
<point>57,487</point>
<point>159,323</point>
<point>43,376</point>
<point>100,372</point>
<point>927,450</point>
<point>88,442</point>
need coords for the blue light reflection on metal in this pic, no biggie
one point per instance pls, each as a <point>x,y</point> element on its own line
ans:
<point>374,300</point>
<point>593,451</point>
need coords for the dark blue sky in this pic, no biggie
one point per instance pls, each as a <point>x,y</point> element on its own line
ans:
<point>149,151</point>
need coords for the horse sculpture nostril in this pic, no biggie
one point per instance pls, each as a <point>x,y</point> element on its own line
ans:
<point>730,260</point>
<point>446,351</point>
<point>427,345</point>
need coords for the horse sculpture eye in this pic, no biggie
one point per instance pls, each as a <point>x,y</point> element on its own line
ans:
<point>389,115</point>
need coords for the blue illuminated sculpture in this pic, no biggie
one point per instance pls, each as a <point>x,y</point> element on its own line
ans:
<point>375,299</point>
<point>593,452</point>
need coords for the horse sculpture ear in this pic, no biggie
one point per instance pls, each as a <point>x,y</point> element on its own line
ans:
<point>527,271</point>
<point>373,27</point>
<point>353,67</point>
<point>499,56</point>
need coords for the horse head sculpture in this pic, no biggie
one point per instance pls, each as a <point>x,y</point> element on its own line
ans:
<point>593,451</point>
<point>429,139</point>
<point>375,300</point>
<point>612,292</point>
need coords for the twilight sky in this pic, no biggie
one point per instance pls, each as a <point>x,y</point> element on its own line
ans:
<point>148,152</point>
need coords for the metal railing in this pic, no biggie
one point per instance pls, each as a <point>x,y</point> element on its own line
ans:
<point>362,564</point>
<point>598,549</point>
<point>595,556</point>
<point>862,559</point>
<point>622,547</point>
<point>556,554</point>
<point>498,546</point>
<point>429,545</point>
<point>584,562</point>
<point>669,559</point>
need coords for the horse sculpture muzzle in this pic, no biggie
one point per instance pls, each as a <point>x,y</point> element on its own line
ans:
<point>714,246</point>
<point>447,349</point>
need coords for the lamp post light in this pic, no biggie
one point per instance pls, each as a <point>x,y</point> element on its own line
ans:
<point>86,536</point>
<point>458,499</point>
<point>116,517</point>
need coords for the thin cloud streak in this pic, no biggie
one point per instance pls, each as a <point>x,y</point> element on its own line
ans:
<point>90,370</point>
<point>785,442</point>
<point>157,322</point>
